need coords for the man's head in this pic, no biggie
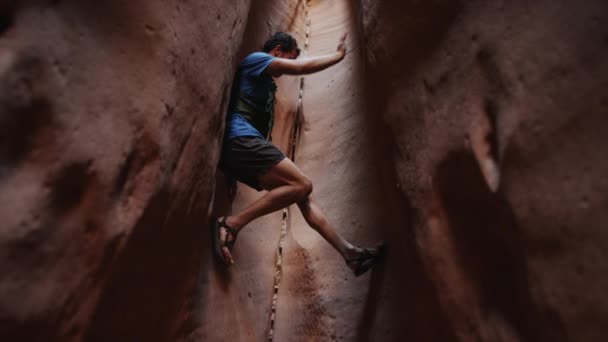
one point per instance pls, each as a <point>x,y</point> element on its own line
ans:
<point>282,45</point>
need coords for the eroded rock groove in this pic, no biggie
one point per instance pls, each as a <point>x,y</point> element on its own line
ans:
<point>293,142</point>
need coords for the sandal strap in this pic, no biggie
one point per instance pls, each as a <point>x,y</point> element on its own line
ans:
<point>366,259</point>
<point>366,253</point>
<point>230,230</point>
<point>360,258</point>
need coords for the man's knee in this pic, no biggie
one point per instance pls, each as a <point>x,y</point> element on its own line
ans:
<point>304,188</point>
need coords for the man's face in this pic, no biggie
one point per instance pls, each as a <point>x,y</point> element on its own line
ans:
<point>291,54</point>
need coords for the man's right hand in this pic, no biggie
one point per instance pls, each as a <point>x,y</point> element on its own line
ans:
<point>305,66</point>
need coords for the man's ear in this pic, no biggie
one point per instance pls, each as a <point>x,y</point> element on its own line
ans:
<point>276,50</point>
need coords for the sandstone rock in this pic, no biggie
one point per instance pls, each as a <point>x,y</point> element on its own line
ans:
<point>110,119</point>
<point>487,97</point>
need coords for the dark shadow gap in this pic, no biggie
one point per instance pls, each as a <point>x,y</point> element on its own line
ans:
<point>7,15</point>
<point>490,248</point>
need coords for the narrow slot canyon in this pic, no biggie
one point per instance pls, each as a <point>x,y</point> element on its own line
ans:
<point>467,135</point>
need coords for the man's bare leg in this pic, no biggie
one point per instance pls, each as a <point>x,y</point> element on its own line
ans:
<point>287,185</point>
<point>316,219</point>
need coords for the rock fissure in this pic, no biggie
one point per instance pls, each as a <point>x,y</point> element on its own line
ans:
<point>293,143</point>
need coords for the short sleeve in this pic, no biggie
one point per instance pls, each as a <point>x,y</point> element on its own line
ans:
<point>256,63</point>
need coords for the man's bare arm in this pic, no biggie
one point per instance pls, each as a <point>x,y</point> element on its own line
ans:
<point>284,66</point>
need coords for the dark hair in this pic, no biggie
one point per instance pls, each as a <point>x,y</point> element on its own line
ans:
<point>286,41</point>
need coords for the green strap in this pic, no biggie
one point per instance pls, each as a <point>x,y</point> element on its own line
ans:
<point>261,117</point>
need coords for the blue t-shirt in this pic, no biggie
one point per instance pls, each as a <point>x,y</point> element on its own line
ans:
<point>251,80</point>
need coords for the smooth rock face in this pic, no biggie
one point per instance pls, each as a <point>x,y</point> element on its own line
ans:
<point>111,114</point>
<point>319,298</point>
<point>498,111</point>
<point>234,303</point>
<point>468,135</point>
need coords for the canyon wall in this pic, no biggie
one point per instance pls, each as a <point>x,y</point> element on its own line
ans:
<point>234,303</point>
<point>111,115</point>
<point>344,149</point>
<point>498,114</point>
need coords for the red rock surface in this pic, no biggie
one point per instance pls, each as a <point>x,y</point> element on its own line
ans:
<point>319,298</point>
<point>468,135</point>
<point>507,96</point>
<point>110,119</point>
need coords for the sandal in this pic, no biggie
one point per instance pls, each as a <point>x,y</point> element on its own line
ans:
<point>218,244</point>
<point>366,259</point>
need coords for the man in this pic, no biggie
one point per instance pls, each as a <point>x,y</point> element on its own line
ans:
<point>248,156</point>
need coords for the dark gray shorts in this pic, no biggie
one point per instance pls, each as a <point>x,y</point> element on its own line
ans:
<point>247,158</point>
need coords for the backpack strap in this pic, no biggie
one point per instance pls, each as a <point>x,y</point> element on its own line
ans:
<point>261,117</point>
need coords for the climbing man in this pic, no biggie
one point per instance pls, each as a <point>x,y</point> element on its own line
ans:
<point>249,156</point>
